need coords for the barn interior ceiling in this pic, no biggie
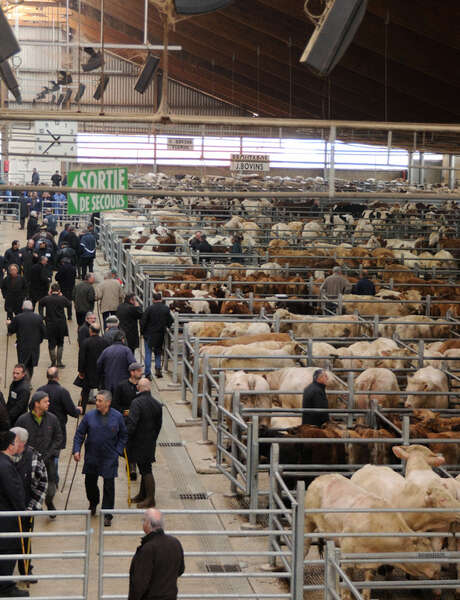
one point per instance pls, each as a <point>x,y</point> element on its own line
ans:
<point>401,65</point>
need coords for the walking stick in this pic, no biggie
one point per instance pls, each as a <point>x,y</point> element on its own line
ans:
<point>6,359</point>
<point>70,458</point>
<point>71,484</point>
<point>129,478</point>
<point>26,562</point>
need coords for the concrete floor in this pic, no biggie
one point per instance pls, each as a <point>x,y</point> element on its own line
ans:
<point>179,470</point>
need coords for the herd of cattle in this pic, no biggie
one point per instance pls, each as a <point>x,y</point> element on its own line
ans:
<point>270,361</point>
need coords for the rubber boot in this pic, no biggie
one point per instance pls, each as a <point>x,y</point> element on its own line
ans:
<point>149,483</point>
<point>141,495</point>
<point>60,350</point>
<point>52,357</point>
<point>158,373</point>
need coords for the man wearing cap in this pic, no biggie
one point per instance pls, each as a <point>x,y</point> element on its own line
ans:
<point>105,433</point>
<point>114,362</point>
<point>30,332</point>
<point>156,318</point>
<point>90,350</point>
<point>32,224</point>
<point>110,294</point>
<point>112,328</point>
<point>124,394</point>
<point>12,497</point>
<point>45,435</point>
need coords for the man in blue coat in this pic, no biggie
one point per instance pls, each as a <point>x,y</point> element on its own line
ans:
<point>106,437</point>
<point>113,363</point>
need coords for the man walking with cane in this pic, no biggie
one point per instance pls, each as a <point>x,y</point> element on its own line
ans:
<point>104,432</point>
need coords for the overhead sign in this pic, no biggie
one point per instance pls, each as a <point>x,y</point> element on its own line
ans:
<point>180,143</point>
<point>105,179</point>
<point>246,163</point>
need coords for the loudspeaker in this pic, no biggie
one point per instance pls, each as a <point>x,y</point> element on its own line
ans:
<point>150,66</point>
<point>67,96</point>
<point>199,7</point>
<point>10,80</point>
<point>60,99</point>
<point>8,43</point>
<point>103,81</point>
<point>333,35</point>
<point>80,92</point>
<point>95,60</point>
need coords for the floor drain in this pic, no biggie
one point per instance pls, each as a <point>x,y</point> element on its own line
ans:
<point>211,568</point>
<point>170,444</point>
<point>194,496</point>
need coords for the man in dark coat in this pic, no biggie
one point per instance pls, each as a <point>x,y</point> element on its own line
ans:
<point>66,252</point>
<point>56,178</point>
<point>364,287</point>
<point>314,396</point>
<point>61,403</point>
<point>113,363</point>
<point>157,563</point>
<point>156,318</point>
<point>14,291</point>
<point>29,257</point>
<point>56,325</point>
<point>12,497</point>
<point>32,225</point>
<point>106,436</point>
<point>13,255</point>
<point>84,297</point>
<point>24,204</point>
<point>87,251</point>
<point>112,329</point>
<point>30,333</point>
<point>144,423</point>
<point>195,241</point>
<point>124,394</point>
<point>35,177</point>
<point>39,280</point>
<point>204,246</point>
<point>88,355</point>
<point>129,314</point>
<point>65,276</point>
<point>45,435</point>
<point>18,394</point>
<point>63,235</point>
<point>83,331</point>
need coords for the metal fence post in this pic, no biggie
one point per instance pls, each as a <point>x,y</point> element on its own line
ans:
<point>428,305</point>
<point>175,373</point>
<point>196,377</point>
<point>220,422</point>
<point>331,579</point>
<point>376,326</point>
<point>235,452</point>
<point>351,397</point>
<point>252,463</point>
<point>309,352</point>
<point>204,401</point>
<point>421,352</point>
<point>274,467</point>
<point>298,526</point>
<point>87,553</point>
<point>100,579</point>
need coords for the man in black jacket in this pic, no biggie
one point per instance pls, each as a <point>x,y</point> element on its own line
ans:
<point>144,422</point>
<point>61,403</point>
<point>30,333</point>
<point>13,255</point>
<point>32,225</point>
<point>157,563</point>
<point>14,291</point>
<point>90,350</point>
<point>83,331</point>
<point>45,435</point>
<point>129,314</point>
<point>56,325</point>
<point>124,394</point>
<point>65,276</point>
<point>84,297</point>
<point>156,318</point>
<point>65,251</point>
<point>12,497</point>
<point>314,396</point>
<point>39,280</point>
<point>18,395</point>
<point>24,205</point>
<point>29,257</point>
<point>364,287</point>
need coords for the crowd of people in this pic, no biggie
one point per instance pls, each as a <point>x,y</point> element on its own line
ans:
<point>126,420</point>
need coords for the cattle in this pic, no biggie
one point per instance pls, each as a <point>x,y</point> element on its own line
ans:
<point>376,380</point>
<point>413,327</point>
<point>252,338</point>
<point>239,381</point>
<point>370,306</point>
<point>321,327</point>
<point>233,307</point>
<point>403,493</point>
<point>448,345</point>
<point>246,327</point>
<point>259,357</point>
<point>334,491</point>
<point>291,379</point>
<point>324,350</point>
<point>427,379</point>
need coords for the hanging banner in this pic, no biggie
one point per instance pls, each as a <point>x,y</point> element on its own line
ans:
<point>105,179</point>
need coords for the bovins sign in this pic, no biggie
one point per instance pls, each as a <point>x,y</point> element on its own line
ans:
<point>258,163</point>
<point>103,179</point>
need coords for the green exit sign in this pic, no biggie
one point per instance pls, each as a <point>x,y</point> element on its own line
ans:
<point>114,178</point>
